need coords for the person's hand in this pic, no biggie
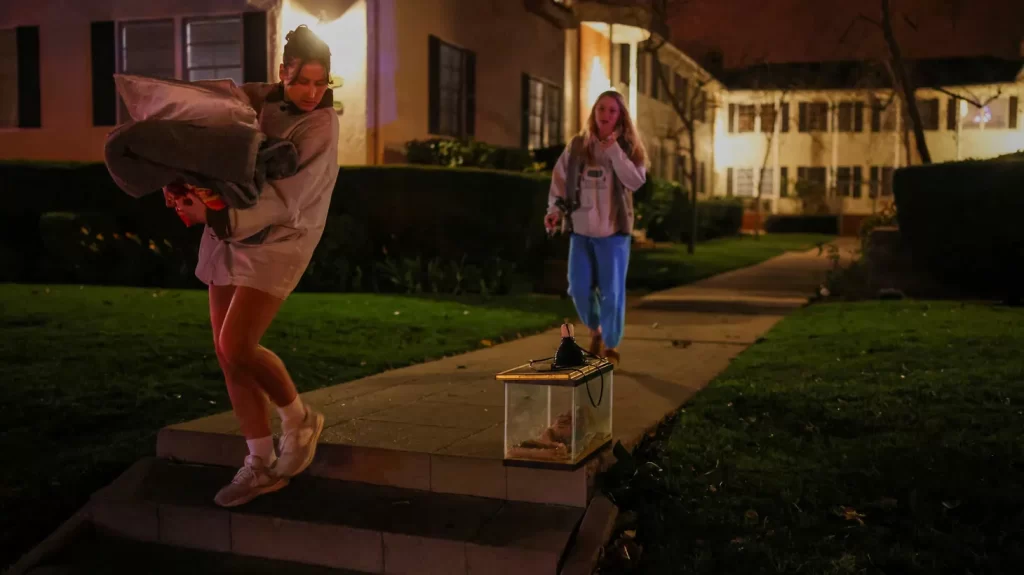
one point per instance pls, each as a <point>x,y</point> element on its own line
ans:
<point>191,209</point>
<point>610,140</point>
<point>551,221</point>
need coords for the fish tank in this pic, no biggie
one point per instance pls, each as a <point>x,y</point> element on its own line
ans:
<point>557,417</point>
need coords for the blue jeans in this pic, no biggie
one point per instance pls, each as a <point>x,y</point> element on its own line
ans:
<point>597,283</point>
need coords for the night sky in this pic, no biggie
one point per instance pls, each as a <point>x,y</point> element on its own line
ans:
<point>748,31</point>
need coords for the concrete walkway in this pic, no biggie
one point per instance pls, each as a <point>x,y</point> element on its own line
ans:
<point>439,426</point>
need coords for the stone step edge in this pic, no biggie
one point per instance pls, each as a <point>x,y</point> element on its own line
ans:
<point>119,510</point>
<point>438,473</point>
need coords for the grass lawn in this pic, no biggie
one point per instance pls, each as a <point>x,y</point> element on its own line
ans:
<point>877,437</point>
<point>90,374</point>
<point>665,267</point>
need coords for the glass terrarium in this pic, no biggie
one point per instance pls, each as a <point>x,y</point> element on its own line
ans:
<point>557,417</point>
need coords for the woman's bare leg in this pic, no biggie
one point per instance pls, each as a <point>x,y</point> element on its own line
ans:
<point>247,399</point>
<point>250,406</point>
<point>248,318</point>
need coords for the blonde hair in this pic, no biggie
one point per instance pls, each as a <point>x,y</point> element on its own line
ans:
<point>626,128</point>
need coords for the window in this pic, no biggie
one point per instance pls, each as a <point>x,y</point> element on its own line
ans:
<point>213,49</point>
<point>543,111</point>
<point>745,118</point>
<point>745,182</point>
<point>8,79</point>
<point>848,181</point>
<point>452,73</point>
<point>929,110</point>
<point>784,125</point>
<point>814,178</point>
<point>783,182</point>
<point>624,56</point>
<point>883,116</point>
<point>768,118</point>
<point>813,116</point>
<point>641,72</point>
<point>881,181</point>
<point>766,181</point>
<point>851,117</point>
<point>682,90</point>
<point>145,48</point>
<point>995,114</point>
<point>700,107</point>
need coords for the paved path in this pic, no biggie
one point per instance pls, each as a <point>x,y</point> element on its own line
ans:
<point>676,342</point>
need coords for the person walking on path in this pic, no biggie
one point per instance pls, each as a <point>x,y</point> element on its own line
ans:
<point>591,195</point>
<point>252,260</point>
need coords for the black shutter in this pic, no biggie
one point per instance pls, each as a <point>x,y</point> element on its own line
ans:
<point>526,111</point>
<point>732,116</point>
<point>728,182</point>
<point>785,117</point>
<point>951,114</point>
<point>857,181</point>
<point>254,44</point>
<point>873,186</point>
<point>1014,105</point>
<point>434,88</point>
<point>783,182</point>
<point>858,117</point>
<point>624,56</point>
<point>802,120</point>
<point>470,93</point>
<point>30,113</point>
<point>102,37</point>
<point>876,116</point>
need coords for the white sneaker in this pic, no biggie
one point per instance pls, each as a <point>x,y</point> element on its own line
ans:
<point>298,446</point>
<point>251,481</point>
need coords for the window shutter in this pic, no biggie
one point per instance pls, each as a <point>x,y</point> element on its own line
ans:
<point>858,117</point>
<point>525,90</point>
<point>470,93</point>
<point>728,182</point>
<point>785,117</point>
<point>783,182</point>
<point>732,118</point>
<point>1014,110</point>
<point>254,47</point>
<point>29,90</point>
<point>434,88</point>
<point>951,114</point>
<point>858,177</point>
<point>803,117</point>
<point>103,52</point>
<point>876,116</point>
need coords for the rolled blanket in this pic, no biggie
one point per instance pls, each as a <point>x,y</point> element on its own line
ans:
<point>232,160</point>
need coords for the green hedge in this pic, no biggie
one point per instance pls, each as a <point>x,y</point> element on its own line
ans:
<point>961,221</point>
<point>451,153</point>
<point>801,224</point>
<point>399,228</point>
<point>664,211</point>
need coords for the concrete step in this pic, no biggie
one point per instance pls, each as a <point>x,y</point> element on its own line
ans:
<point>336,524</point>
<point>481,475</point>
<point>93,552</point>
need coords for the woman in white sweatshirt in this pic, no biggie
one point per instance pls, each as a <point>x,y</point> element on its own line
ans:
<point>252,259</point>
<point>592,196</point>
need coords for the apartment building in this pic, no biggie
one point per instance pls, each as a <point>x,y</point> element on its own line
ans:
<point>839,126</point>
<point>404,69</point>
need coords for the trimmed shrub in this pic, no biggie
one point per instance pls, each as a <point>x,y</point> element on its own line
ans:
<point>961,221</point>
<point>797,224</point>
<point>664,210</point>
<point>467,154</point>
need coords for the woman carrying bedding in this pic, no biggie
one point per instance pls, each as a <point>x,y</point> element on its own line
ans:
<point>253,259</point>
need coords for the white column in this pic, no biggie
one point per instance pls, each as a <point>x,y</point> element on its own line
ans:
<point>776,169</point>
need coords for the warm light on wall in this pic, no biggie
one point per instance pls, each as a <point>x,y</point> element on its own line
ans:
<point>598,83</point>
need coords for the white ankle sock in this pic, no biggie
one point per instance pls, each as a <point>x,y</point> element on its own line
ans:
<point>292,414</point>
<point>263,448</point>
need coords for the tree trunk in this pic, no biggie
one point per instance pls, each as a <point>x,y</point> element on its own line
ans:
<point>904,84</point>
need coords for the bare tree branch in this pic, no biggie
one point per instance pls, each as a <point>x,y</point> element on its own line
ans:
<point>870,21</point>
<point>906,18</point>
<point>971,100</point>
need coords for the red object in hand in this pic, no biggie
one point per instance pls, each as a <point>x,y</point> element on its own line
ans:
<point>179,191</point>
